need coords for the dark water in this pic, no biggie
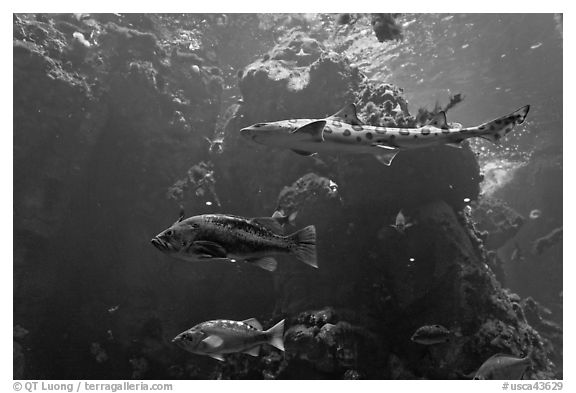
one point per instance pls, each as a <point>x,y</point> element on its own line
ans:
<point>110,141</point>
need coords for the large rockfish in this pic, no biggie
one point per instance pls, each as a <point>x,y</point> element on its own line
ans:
<point>221,336</point>
<point>222,236</point>
<point>343,132</point>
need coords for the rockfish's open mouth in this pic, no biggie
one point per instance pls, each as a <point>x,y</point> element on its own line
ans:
<point>159,244</point>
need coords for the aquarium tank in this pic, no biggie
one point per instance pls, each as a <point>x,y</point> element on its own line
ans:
<point>287,196</point>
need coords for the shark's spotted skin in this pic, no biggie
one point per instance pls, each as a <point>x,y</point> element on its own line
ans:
<point>383,142</point>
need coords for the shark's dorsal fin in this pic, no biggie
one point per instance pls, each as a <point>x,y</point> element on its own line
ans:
<point>439,121</point>
<point>315,129</point>
<point>347,115</point>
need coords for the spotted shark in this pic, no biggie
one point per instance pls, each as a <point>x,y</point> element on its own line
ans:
<point>344,132</point>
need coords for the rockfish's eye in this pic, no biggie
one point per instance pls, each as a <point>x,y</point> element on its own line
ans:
<point>168,233</point>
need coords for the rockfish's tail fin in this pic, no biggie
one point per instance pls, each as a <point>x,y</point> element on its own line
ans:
<point>276,335</point>
<point>305,245</point>
<point>498,128</point>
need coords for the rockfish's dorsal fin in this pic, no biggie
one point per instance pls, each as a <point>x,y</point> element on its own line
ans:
<point>254,323</point>
<point>347,115</point>
<point>439,121</point>
<point>314,129</point>
<point>271,223</point>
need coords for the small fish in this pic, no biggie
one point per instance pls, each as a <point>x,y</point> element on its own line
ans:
<point>225,237</point>
<point>501,366</point>
<point>535,214</point>
<point>401,224</point>
<point>113,309</point>
<point>333,189</point>
<point>433,334</point>
<point>216,144</point>
<point>302,53</point>
<point>79,37</point>
<point>517,255</point>
<point>219,337</point>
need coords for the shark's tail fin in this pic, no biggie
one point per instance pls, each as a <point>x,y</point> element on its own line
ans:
<point>498,128</point>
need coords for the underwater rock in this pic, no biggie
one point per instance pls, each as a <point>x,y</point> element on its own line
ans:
<point>139,367</point>
<point>298,48</point>
<point>295,69</point>
<point>199,182</point>
<point>385,27</point>
<point>499,219</point>
<point>537,315</point>
<point>440,257</point>
<point>95,141</point>
<point>98,352</point>
<point>331,347</point>
<point>18,361</point>
<point>541,273</point>
<point>545,242</point>
<point>309,189</point>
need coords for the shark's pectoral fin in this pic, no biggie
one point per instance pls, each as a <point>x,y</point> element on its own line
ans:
<point>386,154</point>
<point>439,120</point>
<point>211,249</point>
<point>347,115</point>
<point>303,153</point>
<point>313,129</point>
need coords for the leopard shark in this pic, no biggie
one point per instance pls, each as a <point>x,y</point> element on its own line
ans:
<point>343,132</point>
